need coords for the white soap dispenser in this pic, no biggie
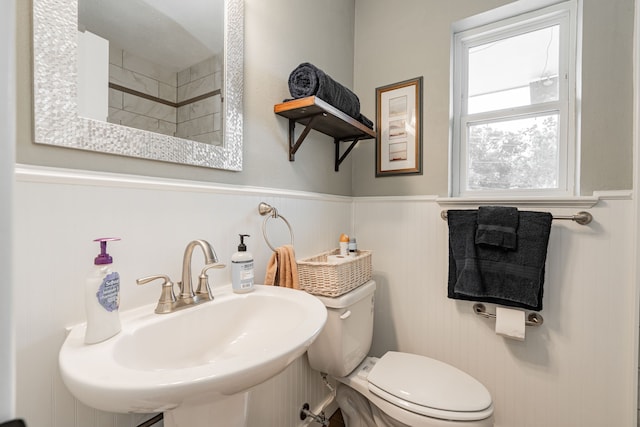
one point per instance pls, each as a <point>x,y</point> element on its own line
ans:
<point>102,297</point>
<point>242,268</point>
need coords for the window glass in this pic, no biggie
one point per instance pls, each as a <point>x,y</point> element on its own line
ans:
<point>514,154</point>
<point>514,71</point>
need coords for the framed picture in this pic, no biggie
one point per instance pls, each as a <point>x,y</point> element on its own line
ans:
<point>399,128</point>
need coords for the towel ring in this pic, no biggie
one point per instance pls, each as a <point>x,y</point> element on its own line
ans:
<point>269,211</point>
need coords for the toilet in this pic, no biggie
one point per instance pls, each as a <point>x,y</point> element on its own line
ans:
<point>397,389</point>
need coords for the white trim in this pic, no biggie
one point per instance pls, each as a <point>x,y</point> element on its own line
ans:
<point>500,13</point>
<point>377,199</point>
<point>584,202</point>
<point>614,195</point>
<point>50,175</point>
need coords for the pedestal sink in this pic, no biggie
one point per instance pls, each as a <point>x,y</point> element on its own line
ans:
<point>194,363</point>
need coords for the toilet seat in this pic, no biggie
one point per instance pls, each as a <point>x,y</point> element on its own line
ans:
<point>425,386</point>
<point>428,387</point>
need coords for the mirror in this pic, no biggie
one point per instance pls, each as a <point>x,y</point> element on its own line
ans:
<point>56,95</point>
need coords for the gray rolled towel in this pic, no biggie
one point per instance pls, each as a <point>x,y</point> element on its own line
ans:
<point>308,80</point>
<point>489,274</point>
<point>497,226</point>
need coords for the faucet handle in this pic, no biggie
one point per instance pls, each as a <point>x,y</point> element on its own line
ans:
<point>167,297</point>
<point>204,291</point>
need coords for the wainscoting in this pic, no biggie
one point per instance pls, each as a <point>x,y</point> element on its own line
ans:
<point>60,212</point>
<point>576,370</point>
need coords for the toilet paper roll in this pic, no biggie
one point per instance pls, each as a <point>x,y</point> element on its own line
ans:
<point>510,323</point>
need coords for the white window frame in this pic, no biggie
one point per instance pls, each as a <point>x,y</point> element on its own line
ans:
<point>565,15</point>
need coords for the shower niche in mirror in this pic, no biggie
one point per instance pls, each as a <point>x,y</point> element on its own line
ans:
<point>166,87</point>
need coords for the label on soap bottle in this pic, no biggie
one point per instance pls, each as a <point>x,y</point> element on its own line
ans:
<point>242,275</point>
<point>246,275</point>
<point>109,292</point>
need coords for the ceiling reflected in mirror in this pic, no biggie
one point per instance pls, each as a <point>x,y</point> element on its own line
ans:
<point>170,33</point>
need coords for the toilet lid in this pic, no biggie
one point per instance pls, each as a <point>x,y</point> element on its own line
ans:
<point>414,381</point>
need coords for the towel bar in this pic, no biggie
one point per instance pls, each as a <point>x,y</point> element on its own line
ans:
<point>265,209</point>
<point>582,217</point>
<point>533,319</point>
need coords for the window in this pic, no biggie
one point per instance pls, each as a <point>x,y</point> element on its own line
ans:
<point>514,105</point>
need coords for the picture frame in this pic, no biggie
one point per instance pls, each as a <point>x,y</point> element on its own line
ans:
<point>399,128</point>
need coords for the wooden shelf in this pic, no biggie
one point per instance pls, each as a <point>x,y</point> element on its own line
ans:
<point>314,113</point>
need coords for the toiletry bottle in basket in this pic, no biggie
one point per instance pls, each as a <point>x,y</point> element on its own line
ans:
<point>353,247</point>
<point>344,245</point>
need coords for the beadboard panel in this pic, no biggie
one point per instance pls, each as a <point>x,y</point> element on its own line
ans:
<point>577,369</point>
<point>58,214</point>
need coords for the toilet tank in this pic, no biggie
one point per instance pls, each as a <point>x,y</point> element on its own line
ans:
<point>346,338</point>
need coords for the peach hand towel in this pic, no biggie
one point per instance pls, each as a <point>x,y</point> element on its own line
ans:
<point>282,269</point>
<point>271,276</point>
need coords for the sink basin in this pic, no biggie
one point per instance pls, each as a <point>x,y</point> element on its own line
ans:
<point>216,349</point>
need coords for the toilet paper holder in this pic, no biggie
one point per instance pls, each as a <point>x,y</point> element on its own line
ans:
<point>533,319</point>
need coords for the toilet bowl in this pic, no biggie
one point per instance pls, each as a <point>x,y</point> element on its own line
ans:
<point>397,389</point>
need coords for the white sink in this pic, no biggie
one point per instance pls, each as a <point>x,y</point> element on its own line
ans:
<point>204,353</point>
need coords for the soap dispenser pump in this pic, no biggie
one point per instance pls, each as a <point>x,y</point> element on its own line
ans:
<point>102,297</point>
<point>242,268</point>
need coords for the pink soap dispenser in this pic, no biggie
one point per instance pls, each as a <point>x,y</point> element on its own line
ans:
<point>102,297</point>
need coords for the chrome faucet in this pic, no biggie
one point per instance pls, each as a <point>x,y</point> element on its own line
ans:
<point>168,301</point>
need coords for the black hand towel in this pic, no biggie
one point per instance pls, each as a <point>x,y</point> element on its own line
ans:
<point>489,274</point>
<point>308,80</point>
<point>497,226</point>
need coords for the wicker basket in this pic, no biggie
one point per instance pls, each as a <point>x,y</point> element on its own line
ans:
<point>318,277</point>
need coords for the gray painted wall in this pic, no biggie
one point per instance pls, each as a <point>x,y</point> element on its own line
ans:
<point>607,95</point>
<point>279,35</point>
<point>392,45</point>
<point>389,42</point>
